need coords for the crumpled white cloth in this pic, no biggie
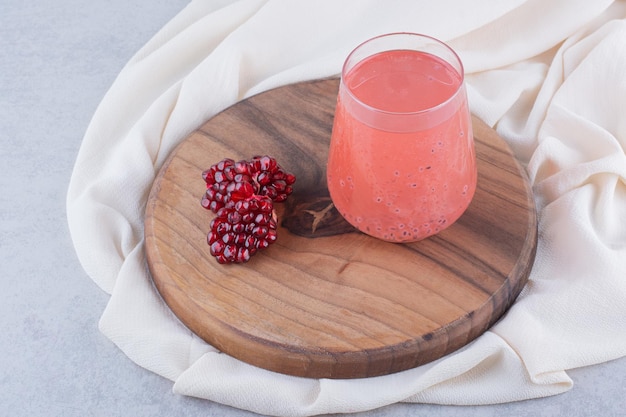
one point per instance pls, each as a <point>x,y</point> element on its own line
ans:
<point>549,76</point>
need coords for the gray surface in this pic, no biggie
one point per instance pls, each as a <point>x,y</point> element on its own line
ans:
<point>57,59</point>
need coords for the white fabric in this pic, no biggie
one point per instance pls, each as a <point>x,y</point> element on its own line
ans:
<point>549,75</point>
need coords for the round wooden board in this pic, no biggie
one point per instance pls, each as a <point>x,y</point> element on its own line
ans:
<point>328,302</point>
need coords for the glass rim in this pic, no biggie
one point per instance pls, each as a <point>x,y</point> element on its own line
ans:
<point>461,72</point>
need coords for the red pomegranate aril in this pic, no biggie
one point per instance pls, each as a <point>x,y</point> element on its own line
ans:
<point>212,237</point>
<point>228,238</point>
<point>264,178</point>
<point>280,186</point>
<point>219,176</point>
<point>280,198</point>
<point>243,207</point>
<point>230,251</point>
<point>250,242</point>
<point>240,239</point>
<point>266,206</point>
<point>243,255</point>
<point>217,247</point>
<point>234,217</point>
<point>270,191</point>
<point>267,163</point>
<point>259,231</point>
<point>242,190</point>
<point>254,204</point>
<point>242,167</point>
<point>206,203</point>
<point>261,219</point>
<point>239,177</point>
<point>247,217</point>
<point>225,163</point>
<point>271,235</point>
<point>262,244</point>
<point>220,226</point>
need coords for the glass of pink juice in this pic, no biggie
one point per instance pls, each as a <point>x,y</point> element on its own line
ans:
<point>401,163</point>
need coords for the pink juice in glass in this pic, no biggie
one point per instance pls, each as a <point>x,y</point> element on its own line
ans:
<point>401,164</point>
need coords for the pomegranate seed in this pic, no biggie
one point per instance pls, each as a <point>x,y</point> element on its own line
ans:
<point>243,255</point>
<point>242,167</point>
<point>230,252</point>
<point>264,178</point>
<point>217,247</point>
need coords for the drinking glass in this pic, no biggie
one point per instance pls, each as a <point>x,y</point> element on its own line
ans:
<point>401,164</point>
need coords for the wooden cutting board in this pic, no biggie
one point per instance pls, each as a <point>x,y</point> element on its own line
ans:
<point>325,301</point>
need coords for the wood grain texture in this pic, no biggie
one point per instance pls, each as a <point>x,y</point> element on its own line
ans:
<point>327,304</point>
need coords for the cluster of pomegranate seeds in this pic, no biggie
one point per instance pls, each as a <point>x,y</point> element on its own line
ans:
<point>224,180</point>
<point>241,229</point>
<point>242,194</point>
<point>273,181</point>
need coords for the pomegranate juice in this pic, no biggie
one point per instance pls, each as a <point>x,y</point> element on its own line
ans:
<point>401,163</point>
